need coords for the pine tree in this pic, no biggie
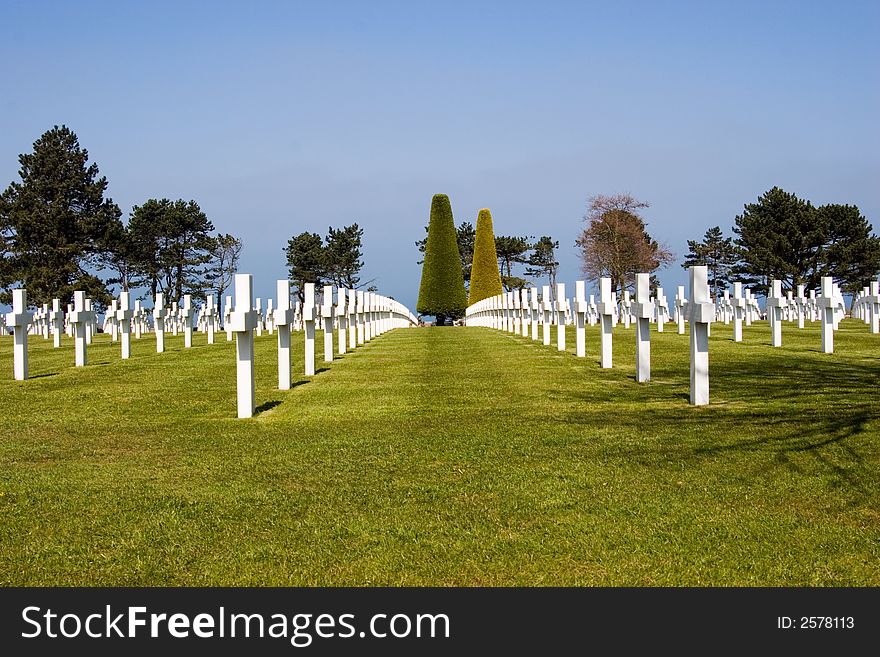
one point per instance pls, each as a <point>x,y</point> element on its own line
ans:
<point>172,247</point>
<point>342,255</point>
<point>485,276</point>
<point>441,292</point>
<point>780,238</point>
<point>305,261</point>
<point>784,237</point>
<point>512,250</point>
<point>543,261</point>
<point>718,254</point>
<point>851,253</point>
<point>56,225</point>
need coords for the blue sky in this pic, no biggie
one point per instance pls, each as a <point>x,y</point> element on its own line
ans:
<point>281,117</point>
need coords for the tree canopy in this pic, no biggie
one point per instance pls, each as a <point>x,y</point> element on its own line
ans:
<point>223,266</point>
<point>441,292</point>
<point>717,253</point>
<point>172,247</point>
<point>616,243</point>
<point>55,223</point>
<point>784,237</point>
<point>342,255</point>
<point>485,275</point>
<point>542,262</point>
<point>311,259</point>
<point>465,236</point>
<point>512,250</point>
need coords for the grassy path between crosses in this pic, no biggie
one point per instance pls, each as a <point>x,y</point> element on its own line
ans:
<point>445,456</point>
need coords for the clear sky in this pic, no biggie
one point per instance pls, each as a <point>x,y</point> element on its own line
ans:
<point>281,117</point>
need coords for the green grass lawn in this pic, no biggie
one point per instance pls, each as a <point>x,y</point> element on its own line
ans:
<point>445,456</point>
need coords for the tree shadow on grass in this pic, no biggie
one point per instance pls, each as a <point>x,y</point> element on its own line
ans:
<point>770,414</point>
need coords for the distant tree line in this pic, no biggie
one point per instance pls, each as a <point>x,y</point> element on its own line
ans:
<point>537,258</point>
<point>783,237</point>
<point>59,233</point>
<point>334,260</point>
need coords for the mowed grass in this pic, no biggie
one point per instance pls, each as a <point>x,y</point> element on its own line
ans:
<point>446,456</point>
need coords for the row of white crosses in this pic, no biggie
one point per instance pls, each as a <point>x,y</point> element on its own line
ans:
<point>866,306</point>
<point>19,320</point>
<point>359,317</point>
<point>45,322</point>
<point>510,312</point>
<point>828,307</point>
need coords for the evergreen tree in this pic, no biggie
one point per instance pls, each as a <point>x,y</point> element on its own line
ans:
<point>779,237</point>
<point>542,261</point>
<point>342,256</point>
<point>851,253</point>
<point>173,247</point>
<point>512,251</point>
<point>441,292</point>
<point>784,237</point>
<point>718,253</point>
<point>55,224</point>
<point>465,236</point>
<point>305,261</point>
<point>485,276</point>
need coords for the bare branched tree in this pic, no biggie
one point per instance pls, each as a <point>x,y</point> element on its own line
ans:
<point>615,242</point>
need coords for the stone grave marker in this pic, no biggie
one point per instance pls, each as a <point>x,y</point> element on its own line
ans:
<point>242,322</point>
<point>186,320</point>
<point>19,321</point>
<point>827,304</point>
<point>801,306</point>
<point>547,304</point>
<point>534,309</point>
<point>643,311</point>
<point>56,317</point>
<point>226,315</point>
<point>701,311</point>
<point>352,320</point>
<point>259,310</point>
<point>661,309</point>
<point>606,312</point>
<point>580,311</point>
<point>309,319</point>
<point>283,319</point>
<point>341,320</point>
<point>680,303</point>
<point>80,318</point>
<point>873,306</point>
<point>327,315</point>
<point>159,314</point>
<point>738,303</point>
<point>123,317</point>
<point>775,303</point>
<point>561,307</point>
<point>210,313</point>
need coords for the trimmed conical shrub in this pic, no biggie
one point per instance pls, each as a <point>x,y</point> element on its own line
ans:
<point>442,290</point>
<point>485,275</point>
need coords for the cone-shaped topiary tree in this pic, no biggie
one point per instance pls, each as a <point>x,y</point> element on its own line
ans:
<point>442,290</point>
<point>485,275</point>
